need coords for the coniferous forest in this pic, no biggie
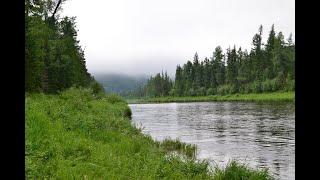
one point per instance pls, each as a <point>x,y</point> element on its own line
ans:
<point>266,67</point>
<point>54,60</point>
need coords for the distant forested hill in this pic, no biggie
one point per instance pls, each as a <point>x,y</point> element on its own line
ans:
<point>119,83</point>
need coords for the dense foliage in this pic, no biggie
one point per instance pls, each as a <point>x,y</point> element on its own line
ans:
<point>54,59</point>
<point>266,68</point>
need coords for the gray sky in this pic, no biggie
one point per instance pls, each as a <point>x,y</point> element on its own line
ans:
<point>146,36</point>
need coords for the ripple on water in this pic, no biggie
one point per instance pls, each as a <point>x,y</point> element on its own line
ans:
<point>259,134</point>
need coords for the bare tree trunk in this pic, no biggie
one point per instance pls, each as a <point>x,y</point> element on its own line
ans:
<point>55,10</point>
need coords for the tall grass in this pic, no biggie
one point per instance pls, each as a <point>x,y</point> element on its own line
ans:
<point>77,135</point>
<point>175,145</point>
<point>238,171</point>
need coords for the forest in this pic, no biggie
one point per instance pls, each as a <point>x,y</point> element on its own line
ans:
<point>54,60</point>
<point>268,67</point>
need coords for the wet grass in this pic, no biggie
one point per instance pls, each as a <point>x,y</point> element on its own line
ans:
<point>238,171</point>
<point>75,135</point>
<point>262,97</point>
<point>175,145</point>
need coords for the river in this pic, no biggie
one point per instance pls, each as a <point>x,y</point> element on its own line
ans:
<point>261,135</point>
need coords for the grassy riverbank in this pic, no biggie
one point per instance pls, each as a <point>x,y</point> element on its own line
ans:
<point>275,96</point>
<point>76,135</point>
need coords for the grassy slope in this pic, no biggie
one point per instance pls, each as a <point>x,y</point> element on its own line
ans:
<point>276,96</point>
<point>74,135</point>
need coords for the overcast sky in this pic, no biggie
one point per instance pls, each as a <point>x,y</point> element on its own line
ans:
<point>147,36</point>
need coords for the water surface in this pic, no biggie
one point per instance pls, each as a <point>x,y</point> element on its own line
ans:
<point>259,134</point>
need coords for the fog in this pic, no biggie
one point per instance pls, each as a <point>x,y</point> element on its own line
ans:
<point>136,37</point>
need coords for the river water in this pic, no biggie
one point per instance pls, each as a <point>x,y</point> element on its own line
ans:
<point>261,135</point>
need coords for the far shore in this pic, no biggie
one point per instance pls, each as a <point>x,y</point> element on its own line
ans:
<point>253,97</point>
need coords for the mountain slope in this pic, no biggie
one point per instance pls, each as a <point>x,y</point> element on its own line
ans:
<point>119,83</point>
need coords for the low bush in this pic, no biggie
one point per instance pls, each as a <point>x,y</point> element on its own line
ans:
<point>192,92</point>
<point>211,91</point>
<point>227,89</point>
<point>201,91</point>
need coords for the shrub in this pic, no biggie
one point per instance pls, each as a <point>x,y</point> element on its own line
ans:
<point>192,92</point>
<point>72,93</point>
<point>245,88</point>
<point>221,90</point>
<point>226,89</point>
<point>172,92</point>
<point>97,88</point>
<point>201,91</point>
<point>113,98</point>
<point>127,112</point>
<point>211,91</point>
<point>270,85</point>
<point>266,86</point>
<point>290,85</point>
<point>256,87</point>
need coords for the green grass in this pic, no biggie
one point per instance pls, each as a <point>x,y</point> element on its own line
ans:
<point>76,135</point>
<point>262,97</point>
<point>238,171</point>
<point>175,145</point>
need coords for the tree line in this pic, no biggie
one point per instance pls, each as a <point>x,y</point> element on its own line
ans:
<point>54,60</point>
<point>159,85</point>
<point>266,68</point>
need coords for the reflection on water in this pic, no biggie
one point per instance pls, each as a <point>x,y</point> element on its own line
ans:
<point>259,134</point>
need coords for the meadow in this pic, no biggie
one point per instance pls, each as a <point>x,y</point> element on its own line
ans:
<point>79,135</point>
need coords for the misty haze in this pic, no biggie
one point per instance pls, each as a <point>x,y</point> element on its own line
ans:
<point>145,37</point>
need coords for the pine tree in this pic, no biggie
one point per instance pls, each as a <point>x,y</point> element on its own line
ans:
<point>196,72</point>
<point>188,74</point>
<point>257,55</point>
<point>208,79</point>
<point>54,60</point>
<point>269,50</point>
<point>218,67</point>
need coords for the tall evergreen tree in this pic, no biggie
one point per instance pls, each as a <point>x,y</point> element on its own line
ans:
<point>179,83</point>
<point>231,66</point>
<point>196,72</point>
<point>218,67</point>
<point>54,60</point>
<point>257,55</point>
<point>269,50</point>
<point>208,79</point>
<point>263,69</point>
